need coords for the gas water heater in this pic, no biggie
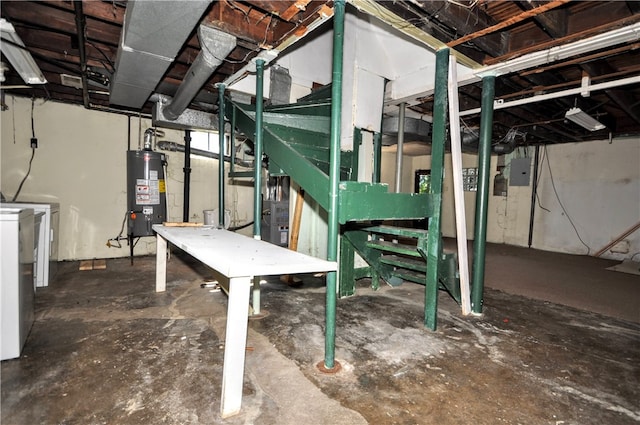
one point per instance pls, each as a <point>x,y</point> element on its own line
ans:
<point>146,192</point>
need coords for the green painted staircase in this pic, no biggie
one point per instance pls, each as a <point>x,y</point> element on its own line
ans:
<point>394,254</point>
<point>296,140</point>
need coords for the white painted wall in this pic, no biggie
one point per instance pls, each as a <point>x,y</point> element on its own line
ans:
<point>80,162</point>
<point>598,183</point>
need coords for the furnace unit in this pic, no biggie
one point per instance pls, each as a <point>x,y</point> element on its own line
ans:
<point>275,222</point>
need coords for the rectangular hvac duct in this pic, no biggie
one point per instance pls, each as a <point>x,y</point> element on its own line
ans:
<point>152,34</point>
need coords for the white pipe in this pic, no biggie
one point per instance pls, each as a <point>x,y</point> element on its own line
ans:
<point>554,54</point>
<point>500,104</point>
<point>399,147</point>
<point>458,192</point>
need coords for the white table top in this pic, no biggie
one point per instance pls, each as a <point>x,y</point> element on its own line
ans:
<point>236,255</point>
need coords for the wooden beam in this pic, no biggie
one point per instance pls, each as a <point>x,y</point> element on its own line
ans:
<point>462,21</point>
<point>570,38</point>
<point>294,9</point>
<point>625,100</point>
<point>508,22</point>
<point>554,22</point>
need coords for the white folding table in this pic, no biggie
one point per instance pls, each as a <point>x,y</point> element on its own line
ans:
<point>239,258</point>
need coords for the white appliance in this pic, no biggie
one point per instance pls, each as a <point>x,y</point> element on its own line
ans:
<point>47,239</point>
<point>17,295</point>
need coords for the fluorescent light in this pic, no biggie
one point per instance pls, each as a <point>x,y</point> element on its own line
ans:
<point>19,57</point>
<point>583,119</point>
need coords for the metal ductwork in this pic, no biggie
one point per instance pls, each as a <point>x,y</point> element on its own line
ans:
<point>414,130</point>
<point>153,33</point>
<point>215,45</point>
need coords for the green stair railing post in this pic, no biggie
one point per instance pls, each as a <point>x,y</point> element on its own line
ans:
<point>482,196</point>
<point>257,166</point>
<point>232,138</point>
<point>377,156</point>
<point>434,239</point>
<point>334,176</point>
<point>257,176</point>
<point>221,156</point>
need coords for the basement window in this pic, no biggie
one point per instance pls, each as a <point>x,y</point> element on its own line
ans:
<point>209,142</point>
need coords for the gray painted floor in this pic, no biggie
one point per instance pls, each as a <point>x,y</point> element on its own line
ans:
<point>558,343</point>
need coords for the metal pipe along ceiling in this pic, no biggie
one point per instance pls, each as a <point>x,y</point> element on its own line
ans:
<point>215,46</point>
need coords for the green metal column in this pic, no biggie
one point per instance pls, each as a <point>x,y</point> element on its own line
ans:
<point>232,138</point>
<point>221,156</point>
<point>257,166</point>
<point>334,177</point>
<point>482,196</point>
<point>434,238</point>
<point>377,156</point>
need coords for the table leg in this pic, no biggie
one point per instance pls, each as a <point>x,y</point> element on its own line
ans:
<point>235,346</point>
<point>161,264</point>
<point>256,295</point>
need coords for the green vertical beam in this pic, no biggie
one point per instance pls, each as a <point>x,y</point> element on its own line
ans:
<point>334,177</point>
<point>232,138</point>
<point>377,156</point>
<point>482,196</point>
<point>257,164</point>
<point>355,157</point>
<point>434,239</point>
<point>221,155</point>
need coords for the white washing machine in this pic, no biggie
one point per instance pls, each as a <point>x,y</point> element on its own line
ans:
<point>47,239</point>
<point>17,295</point>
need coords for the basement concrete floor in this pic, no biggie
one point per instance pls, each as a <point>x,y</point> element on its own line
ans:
<point>106,349</point>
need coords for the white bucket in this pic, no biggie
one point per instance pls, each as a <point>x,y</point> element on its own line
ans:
<point>211,218</point>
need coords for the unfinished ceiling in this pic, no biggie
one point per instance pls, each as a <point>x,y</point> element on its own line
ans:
<point>76,45</point>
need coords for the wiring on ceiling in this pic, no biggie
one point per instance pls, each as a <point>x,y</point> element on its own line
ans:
<point>510,137</point>
<point>109,65</point>
<point>466,6</point>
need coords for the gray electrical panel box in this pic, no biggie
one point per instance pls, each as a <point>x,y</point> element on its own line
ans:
<point>275,222</point>
<point>520,171</point>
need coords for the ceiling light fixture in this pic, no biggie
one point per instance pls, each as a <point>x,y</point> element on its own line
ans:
<point>15,51</point>
<point>583,119</point>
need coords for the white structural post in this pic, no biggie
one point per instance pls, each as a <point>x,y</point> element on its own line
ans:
<point>458,192</point>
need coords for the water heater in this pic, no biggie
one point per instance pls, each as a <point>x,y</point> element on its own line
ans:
<point>146,192</point>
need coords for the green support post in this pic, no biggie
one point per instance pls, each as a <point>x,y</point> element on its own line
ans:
<point>377,156</point>
<point>232,138</point>
<point>482,196</point>
<point>347,284</point>
<point>334,177</point>
<point>434,239</point>
<point>221,156</point>
<point>257,166</point>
